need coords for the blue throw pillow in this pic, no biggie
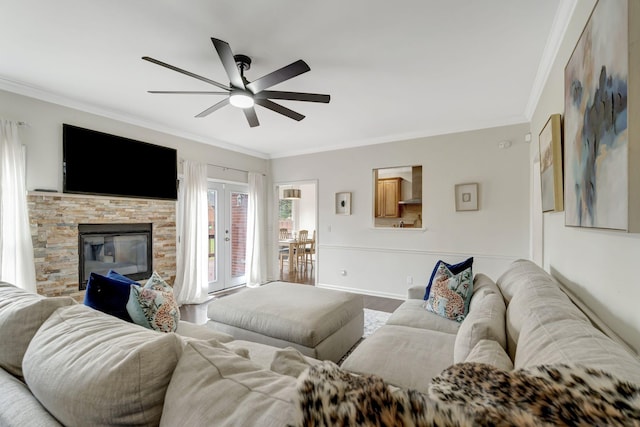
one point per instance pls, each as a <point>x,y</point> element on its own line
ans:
<point>109,295</point>
<point>453,268</point>
<point>112,274</point>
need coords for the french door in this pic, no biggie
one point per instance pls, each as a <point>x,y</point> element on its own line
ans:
<point>228,205</point>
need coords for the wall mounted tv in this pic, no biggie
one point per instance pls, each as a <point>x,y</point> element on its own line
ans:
<point>108,165</point>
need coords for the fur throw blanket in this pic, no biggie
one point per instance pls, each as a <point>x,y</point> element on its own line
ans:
<point>469,394</point>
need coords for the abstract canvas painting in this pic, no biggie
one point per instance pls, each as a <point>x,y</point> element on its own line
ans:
<point>596,137</point>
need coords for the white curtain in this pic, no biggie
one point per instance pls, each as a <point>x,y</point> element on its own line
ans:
<point>256,266</point>
<point>192,284</point>
<point>16,248</point>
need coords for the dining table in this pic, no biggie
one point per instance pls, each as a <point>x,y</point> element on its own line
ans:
<point>292,243</point>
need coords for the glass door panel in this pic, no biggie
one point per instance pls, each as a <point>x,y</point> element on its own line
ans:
<point>228,204</point>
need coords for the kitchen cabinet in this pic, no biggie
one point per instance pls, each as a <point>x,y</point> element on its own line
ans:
<point>388,195</point>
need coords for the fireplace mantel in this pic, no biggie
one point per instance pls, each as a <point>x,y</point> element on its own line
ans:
<point>54,219</point>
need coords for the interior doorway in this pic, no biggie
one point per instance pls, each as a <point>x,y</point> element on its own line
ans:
<point>297,207</point>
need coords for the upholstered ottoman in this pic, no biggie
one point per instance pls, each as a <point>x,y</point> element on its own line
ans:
<point>320,323</point>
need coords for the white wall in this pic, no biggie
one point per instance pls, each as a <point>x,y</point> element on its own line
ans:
<point>599,265</point>
<point>378,261</point>
<point>43,141</point>
<point>306,208</point>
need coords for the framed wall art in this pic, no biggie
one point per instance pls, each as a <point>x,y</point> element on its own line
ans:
<point>466,197</point>
<point>602,122</point>
<point>550,142</point>
<point>343,203</point>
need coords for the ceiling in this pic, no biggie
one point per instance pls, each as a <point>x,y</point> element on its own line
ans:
<point>394,69</point>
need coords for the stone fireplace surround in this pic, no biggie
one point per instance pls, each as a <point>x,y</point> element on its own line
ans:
<point>54,219</point>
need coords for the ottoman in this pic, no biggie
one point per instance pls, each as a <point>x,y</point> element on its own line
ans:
<point>320,323</point>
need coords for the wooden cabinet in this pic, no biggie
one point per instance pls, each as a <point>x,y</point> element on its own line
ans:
<point>387,197</point>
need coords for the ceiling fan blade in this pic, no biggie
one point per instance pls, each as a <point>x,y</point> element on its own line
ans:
<point>188,92</point>
<point>252,118</point>
<point>188,73</point>
<point>214,108</point>
<point>229,63</point>
<point>293,96</point>
<point>279,109</point>
<point>278,76</point>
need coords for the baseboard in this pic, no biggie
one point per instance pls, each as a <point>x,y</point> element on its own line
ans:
<point>362,291</point>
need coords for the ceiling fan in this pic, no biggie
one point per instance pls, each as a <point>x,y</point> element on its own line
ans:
<point>244,94</point>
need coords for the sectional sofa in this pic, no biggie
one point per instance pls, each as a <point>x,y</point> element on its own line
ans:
<point>63,363</point>
<point>523,320</point>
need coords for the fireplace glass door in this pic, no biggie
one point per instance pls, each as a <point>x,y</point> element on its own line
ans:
<point>228,205</point>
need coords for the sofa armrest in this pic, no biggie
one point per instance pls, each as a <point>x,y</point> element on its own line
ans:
<point>416,292</point>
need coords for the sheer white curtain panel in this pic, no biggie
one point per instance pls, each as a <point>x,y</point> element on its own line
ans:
<point>192,284</point>
<point>16,248</point>
<point>256,266</point>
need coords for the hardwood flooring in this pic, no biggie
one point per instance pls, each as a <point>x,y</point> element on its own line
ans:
<point>381,304</point>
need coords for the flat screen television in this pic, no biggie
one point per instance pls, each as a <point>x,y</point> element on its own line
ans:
<point>108,165</point>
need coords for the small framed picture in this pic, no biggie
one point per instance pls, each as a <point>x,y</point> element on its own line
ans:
<point>466,197</point>
<point>343,203</point>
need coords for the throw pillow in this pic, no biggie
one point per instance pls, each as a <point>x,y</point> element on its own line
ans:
<point>115,275</point>
<point>153,305</point>
<point>109,295</point>
<point>454,268</point>
<point>451,293</point>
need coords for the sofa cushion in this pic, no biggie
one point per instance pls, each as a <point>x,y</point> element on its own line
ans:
<point>19,407</point>
<point>88,368</point>
<point>483,285</point>
<point>402,356</point>
<point>572,341</point>
<point>450,293</point>
<point>454,268</point>
<point>490,352</point>
<point>201,332</point>
<point>485,321</point>
<point>412,313</point>
<point>260,354</point>
<point>543,298</point>
<point>521,273</point>
<point>153,305</point>
<point>289,361</point>
<point>109,295</point>
<point>212,385</point>
<point>21,314</point>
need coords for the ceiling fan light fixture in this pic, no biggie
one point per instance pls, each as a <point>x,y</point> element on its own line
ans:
<point>241,99</point>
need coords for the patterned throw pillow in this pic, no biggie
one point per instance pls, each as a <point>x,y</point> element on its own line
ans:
<point>451,293</point>
<point>153,305</point>
<point>454,268</point>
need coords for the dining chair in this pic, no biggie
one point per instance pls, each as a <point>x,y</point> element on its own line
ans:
<point>310,251</point>
<point>299,254</point>
<point>303,235</point>
<point>284,234</point>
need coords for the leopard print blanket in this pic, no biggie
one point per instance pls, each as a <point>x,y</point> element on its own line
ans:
<point>469,394</point>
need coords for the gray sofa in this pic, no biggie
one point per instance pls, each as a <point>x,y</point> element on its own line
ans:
<point>63,363</point>
<point>522,320</point>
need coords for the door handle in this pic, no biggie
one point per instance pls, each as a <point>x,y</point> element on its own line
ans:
<point>226,239</point>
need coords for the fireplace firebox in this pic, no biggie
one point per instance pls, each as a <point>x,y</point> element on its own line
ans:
<point>124,248</point>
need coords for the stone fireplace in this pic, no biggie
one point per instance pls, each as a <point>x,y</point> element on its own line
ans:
<point>55,220</point>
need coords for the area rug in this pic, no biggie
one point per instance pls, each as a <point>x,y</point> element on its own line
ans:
<point>373,319</point>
